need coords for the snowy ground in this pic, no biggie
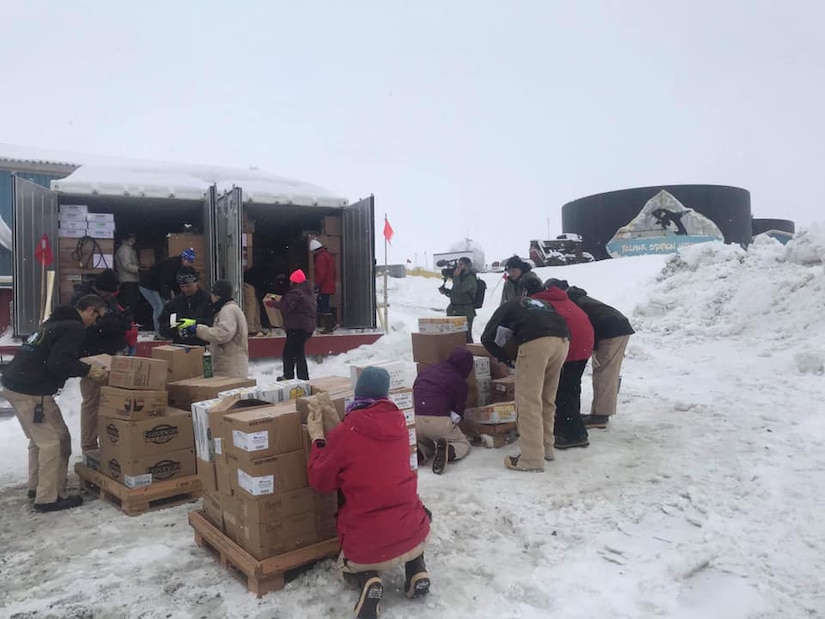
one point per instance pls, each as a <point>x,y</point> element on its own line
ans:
<point>703,498</point>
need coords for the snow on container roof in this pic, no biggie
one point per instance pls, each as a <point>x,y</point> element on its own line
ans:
<point>190,182</point>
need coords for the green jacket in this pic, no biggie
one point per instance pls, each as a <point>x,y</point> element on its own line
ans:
<point>515,289</point>
<point>463,295</point>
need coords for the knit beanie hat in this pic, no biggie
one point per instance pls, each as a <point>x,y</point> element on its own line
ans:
<point>532,285</point>
<point>315,244</point>
<point>514,262</point>
<point>107,281</point>
<point>188,254</point>
<point>558,283</point>
<point>298,277</point>
<point>373,383</point>
<point>186,275</point>
<point>222,289</point>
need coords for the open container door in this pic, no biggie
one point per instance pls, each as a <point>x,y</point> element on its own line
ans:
<point>358,265</point>
<point>227,239</point>
<point>210,262</point>
<point>35,214</point>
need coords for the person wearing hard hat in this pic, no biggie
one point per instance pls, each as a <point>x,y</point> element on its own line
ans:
<point>324,283</point>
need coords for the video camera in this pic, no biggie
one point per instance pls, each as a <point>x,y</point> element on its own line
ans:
<point>447,272</point>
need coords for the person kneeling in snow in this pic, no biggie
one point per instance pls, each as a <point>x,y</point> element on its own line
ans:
<point>382,522</point>
<point>440,395</point>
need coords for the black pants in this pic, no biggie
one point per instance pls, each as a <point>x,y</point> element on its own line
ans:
<point>569,422</point>
<point>128,297</point>
<point>294,355</point>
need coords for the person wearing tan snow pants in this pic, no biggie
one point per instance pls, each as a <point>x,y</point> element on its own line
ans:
<point>607,364</point>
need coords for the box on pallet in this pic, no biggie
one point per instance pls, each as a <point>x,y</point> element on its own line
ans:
<point>396,369</point>
<point>242,393</point>
<point>284,504</point>
<point>267,475</point>
<point>131,440</point>
<point>103,360</point>
<point>261,432</point>
<point>132,404</point>
<point>302,405</point>
<point>272,538</point>
<point>443,324</point>
<point>184,361</point>
<point>148,469</point>
<point>478,390</point>
<point>207,418</point>
<point>183,392</point>
<point>138,373</point>
<point>212,507</point>
<point>497,368</point>
<point>491,435</point>
<point>402,398</point>
<point>208,474</point>
<point>74,208</point>
<point>429,348</point>
<point>276,319</point>
<point>501,412</point>
<point>504,389</point>
<point>329,384</point>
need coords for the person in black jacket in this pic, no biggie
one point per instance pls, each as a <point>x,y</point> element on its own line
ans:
<point>105,336</point>
<point>41,367</point>
<point>159,283</point>
<point>192,302</point>
<point>612,332</point>
<point>531,333</point>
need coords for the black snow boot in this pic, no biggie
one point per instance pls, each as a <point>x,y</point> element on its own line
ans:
<point>372,590</point>
<point>595,421</point>
<point>562,442</point>
<point>417,583</point>
<point>441,456</point>
<point>60,504</point>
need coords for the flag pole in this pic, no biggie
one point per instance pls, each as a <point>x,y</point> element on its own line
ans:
<point>386,324</point>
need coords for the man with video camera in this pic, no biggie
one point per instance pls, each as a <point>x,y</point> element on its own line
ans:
<point>463,293</point>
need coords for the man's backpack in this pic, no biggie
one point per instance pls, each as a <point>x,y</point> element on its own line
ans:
<point>481,289</point>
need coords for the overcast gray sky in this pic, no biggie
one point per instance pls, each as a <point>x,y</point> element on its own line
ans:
<point>461,116</point>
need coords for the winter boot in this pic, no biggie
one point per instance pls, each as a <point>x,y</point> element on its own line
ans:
<point>372,590</point>
<point>328,323</point>
<point>417,583</point>
<point>60,504</point>
<point>595,421</point>
<point>444,453</point>
<point>31,494</point>
<point>566,443</point>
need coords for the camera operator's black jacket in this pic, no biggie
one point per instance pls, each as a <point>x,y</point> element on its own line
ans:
<point>463,295</point>
<point>50,356</point>
<point>198,307</point>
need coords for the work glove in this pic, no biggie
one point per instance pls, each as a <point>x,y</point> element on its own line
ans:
<point>455,416</point>
<point>187,327</point>
<point>315,421</point>
<point>328,412</point>
<point>270,303</point>
<point>443,290</point>
<point>98,373</point>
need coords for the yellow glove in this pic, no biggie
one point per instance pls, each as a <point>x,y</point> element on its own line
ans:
<point>98,373</point>
<point>315,421</point>
<point>329,414</point>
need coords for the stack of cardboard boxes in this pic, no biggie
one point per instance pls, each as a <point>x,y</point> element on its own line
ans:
<point>142,440</point>
<point>491,421</point>
<point>85,246</point>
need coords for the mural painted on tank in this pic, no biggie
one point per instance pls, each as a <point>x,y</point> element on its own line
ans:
<point>662,226</point>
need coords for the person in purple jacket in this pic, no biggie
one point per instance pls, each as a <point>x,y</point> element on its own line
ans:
<point>440,395</point>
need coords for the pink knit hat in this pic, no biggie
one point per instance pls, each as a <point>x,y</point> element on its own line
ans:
<point>297,277</point>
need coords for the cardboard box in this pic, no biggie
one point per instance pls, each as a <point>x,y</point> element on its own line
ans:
<point>295,388</point>
<point>430,348</point>
<point>302,406</point>
<point>139,373</point>
<point>212,508</point>
<point>103,360</point>
<point>207,418</point>
<point>146,257</point>
<point>276,319</point>
<point>329,384</point>
<point>481,365</point>
<point>131,404</point>
<point>272,538</point>
<point>397,371</point>
<point>101,234</point>
<point>208,474</point>
<point>73,208</point>
<point>403,398</point>
<point>501,412</point>
<point>184,361</point>
<point>283,505</point>
<point>331,242</point>
<point>490,435</point>
<point>182,393</point>
<point>148,469</point>
<point>504,389</point>
<point>331,225</point>
<point>68,223</point>
<point>73,218</point>
<point>479,389</point>
<point>108,226</point>
<point>101,217</point>
<point>497,369</point>
<point>266,476</point>
<point>131,440</point>
<point>443,324</point>
<point>241,393</point>
<point>91,459</point>
<point>261,432</point>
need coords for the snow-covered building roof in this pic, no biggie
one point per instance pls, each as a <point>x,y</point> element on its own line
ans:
<point>117,176</point>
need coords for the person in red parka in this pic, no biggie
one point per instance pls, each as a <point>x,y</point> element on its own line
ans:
<point>382,522</point>
<point>324,282</point>
<point>569,429</point>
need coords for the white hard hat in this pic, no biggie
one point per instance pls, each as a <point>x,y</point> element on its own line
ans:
<point>315,244</point>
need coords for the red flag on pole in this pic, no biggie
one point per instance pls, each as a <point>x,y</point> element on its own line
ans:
<point>388,231</point>
<point>43,252</point>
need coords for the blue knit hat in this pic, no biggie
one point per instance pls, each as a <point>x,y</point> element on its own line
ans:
<point>188,254</point>
<point>373,383</point>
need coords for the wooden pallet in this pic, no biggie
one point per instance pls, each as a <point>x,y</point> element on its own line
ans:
<point>259,577</point>
<point>136,501</point>
<point>490,435</point>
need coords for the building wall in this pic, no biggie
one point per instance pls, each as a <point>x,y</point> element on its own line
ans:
<point>6,205</point>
